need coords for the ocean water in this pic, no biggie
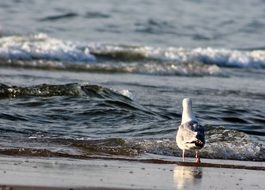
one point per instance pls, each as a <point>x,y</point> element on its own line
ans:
<point>107,78</point>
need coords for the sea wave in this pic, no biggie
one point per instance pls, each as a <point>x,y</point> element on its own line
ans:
<point>43,47</point>
<point>211,56</point>
<point>150,68</point>
<point>42,51</point>
<point>221,144</point>
<point>72,89</point>
<point>94,111</point>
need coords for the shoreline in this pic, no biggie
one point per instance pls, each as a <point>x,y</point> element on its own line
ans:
<point>19,173</point>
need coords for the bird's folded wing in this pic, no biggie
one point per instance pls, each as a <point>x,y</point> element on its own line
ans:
<point>186,133</point>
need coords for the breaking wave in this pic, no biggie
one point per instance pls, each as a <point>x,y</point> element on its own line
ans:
<point>73,89</point>
<point>43,52</point>
<point>221,144</point>
<point>41,47</point>
<point>211,56</point>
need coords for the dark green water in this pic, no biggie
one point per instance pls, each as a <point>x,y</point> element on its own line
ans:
<point>50,113</point>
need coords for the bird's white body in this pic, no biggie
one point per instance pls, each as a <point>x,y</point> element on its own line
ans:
<point>190,135</point>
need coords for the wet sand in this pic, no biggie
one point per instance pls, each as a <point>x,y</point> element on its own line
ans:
<point>62,173</point>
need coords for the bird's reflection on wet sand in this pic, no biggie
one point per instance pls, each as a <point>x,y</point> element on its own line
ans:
<point>185,176</point>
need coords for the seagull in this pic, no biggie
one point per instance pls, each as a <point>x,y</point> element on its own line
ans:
<point>190,135</point>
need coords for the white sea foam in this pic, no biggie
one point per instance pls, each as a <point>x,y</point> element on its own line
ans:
<point>41,47</point>
<point>220,57</point>
<point>126,93</point>
<point>220,144</point>
<point>165,60</point>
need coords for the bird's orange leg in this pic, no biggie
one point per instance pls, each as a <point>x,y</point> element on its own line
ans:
<point>198,160</point>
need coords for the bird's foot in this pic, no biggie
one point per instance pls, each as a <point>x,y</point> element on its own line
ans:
<point>198,160</point>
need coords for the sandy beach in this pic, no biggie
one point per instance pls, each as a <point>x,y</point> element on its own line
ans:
<point>43,173</point>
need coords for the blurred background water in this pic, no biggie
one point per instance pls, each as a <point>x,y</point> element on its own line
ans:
<point>190,24</point>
